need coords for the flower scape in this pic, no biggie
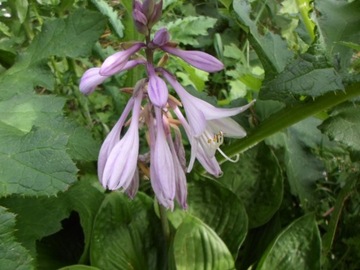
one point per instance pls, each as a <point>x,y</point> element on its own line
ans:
<point>152,107</point>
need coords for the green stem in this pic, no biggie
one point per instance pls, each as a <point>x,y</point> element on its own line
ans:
<point>165,224</point>
<point>289,116</point>
<point>304,9</point>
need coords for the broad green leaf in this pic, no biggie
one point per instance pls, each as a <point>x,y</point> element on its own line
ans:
<point>25,111</point>
<point>343,126</point>
<point>34,163</point>
<point>81,145</point>
<point>338,21</point>
<point>217,207</point>
<point>193,26</point>
<point>298,246</point>
<point>127,234</point>
<point>36,218</point>
<point>270,48</point>
<point>197,246</point>
<point>28,110</point>
<point>42,216</point>
<point>306,76</point>
<point>257,180</point>
<point>113,16</point>
<point>75,36</point>
<point>12,254</point>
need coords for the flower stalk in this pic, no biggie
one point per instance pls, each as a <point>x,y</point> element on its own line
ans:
<point>153,107</point>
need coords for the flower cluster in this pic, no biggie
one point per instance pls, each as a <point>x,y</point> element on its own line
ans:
<point>152,106</point>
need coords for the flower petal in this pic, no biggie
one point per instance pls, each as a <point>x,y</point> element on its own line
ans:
<point>228,126</point>
<point>112,138</point>
<point>157,89</point>
<point>90,80</point>
<point>162,166</point>
<point>161,37</point>
<point>121,164</point>
<point>197,59</point>
<point>195,116</point>
<point>116,62</point>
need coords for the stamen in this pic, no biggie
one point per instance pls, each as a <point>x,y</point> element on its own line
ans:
<point>237,156</point>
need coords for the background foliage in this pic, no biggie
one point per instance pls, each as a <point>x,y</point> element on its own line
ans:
<point>291,202</point>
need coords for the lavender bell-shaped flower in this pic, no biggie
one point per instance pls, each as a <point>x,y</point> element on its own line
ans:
<point>162,165</point>
<point>157,90</point>
<point>120,166</point>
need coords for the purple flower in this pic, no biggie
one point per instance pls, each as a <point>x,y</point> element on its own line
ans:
<point>162,164</point>
<point>197,59</point>
<point>161,37</point>
<point>199,111</point>
<point>92,78</point>
<point>121,163</point>
<point>116,62</point>
<point>157,90</point>
<point>145,14</point>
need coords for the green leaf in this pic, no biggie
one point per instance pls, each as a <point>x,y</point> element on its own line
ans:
<point>193,26</point>
<point>74,36</point>
<point>217,207</point>
<point>42,216</point>
<point>297,246</point>
<point>113,16</point>
<point>85,197</point>
<point>21,9</point>
<point>299,142</point>
<point>34,163</point>
<point>12,254</point>
<point>338,21</point>
<point>270,48</point>
<point>36,218</point>
<point>332,226</point>
<point>71,37</point>
<point>197,246</point>
<point>343,126</point>
<point>257,180</point>
<point>127,234</point>
<point>306,76</point>
<point>25,111</point>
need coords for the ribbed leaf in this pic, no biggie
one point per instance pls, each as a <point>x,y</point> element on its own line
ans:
<point>196,246</point>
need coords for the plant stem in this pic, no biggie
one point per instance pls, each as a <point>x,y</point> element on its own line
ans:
<point>164,224</point>
<point>289,116</point>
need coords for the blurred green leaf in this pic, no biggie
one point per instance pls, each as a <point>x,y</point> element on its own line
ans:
<point>127,234</point>
<point>193,26</point>
<point>197,246</point>
<point>113,16</point>
<point>270,48</point>
<point>257,180</point>
<point>21,9</point>
<point>298,246</point>
<point>343,126</point>
<point>338,21</point>
<point>12,254</point>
